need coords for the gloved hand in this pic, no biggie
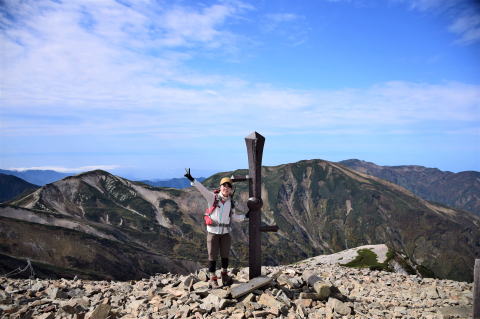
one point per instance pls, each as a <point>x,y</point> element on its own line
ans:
<point>187,175</point>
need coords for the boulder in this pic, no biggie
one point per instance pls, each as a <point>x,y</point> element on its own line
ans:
<point>270,301</point>
<point>100,312</point>
<point>338,306</point>
<point>55,293</point>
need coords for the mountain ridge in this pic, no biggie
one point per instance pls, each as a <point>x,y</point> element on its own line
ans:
<point>37,177</point>
<point>459,190</point>
<point>12,186</point>
<point>321,207</point>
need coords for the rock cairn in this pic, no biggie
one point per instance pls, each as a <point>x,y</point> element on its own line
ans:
<point>304,290</point>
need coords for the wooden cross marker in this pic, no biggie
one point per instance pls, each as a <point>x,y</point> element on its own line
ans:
<point>255,143</point>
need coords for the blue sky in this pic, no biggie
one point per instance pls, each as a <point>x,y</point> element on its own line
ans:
<point>146,88</point>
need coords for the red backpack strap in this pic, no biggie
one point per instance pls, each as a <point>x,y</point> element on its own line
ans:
<point>215,201</point>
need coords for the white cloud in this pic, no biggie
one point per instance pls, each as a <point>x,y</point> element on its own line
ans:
<point>66,169</point>
<point>78,52</point>
<point>181,113</point>
<point>428,4</point>
<point>468,27</point>
<point>100,67</point>
<point>464,16</point>
<point>288,26</point>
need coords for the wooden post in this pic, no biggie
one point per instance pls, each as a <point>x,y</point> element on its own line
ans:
<point>255,143</point>
<point>476,290</point>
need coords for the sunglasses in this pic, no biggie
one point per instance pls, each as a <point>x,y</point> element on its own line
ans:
<point>227,185</point>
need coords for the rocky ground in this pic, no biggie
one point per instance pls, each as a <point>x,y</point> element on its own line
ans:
<point>308,289</point>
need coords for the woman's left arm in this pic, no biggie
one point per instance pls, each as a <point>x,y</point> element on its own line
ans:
<point>237,217</point>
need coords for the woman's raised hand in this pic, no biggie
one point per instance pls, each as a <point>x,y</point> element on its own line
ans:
<point>188,175</point>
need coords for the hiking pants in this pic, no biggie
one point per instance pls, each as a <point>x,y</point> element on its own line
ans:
<point>216,243</point>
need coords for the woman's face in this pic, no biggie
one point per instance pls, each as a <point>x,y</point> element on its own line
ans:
<point>226,189</point>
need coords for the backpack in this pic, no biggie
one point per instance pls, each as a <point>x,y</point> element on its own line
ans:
<point>208,220</point>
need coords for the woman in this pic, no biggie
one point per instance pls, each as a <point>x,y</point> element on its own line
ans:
<point>218,233</point>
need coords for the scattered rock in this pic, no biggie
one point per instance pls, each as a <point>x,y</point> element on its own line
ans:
<point>270,301</point>
<point>48,315</point>
<point>188,282</point>
<point>250,286</point>
<point>100,312</point>
<point>304,290</point>
<point>203,275</point>
<point>55,293</point>
<point>339,307</point>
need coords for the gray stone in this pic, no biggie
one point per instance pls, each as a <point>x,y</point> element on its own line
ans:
<point>188,282</point>
<point>76,292</point>
<point>134,306</point>
<point>260,313</point>
<point>250,286</point>
<point>73,306</point>
<point>311,295</point>
<point>430,292</point>
<point>38,286</point>
<point>283,297</point>
<point>460,311</point>
<point>296,282</point>
<point>55,293</point>
<point>249,298</point>
<point>26,314</point>
<point>338,306</point>
<point>100,312</point>
<point>310,277</point>
<point>300,312</point>
<point>211,299</point>
<point>322,289</point>
<point>284,280</point>
<point>270,301</point>
<point>208,307</point>
<point>200,285</point>
<point>203,275</point>
<point>224,303</point>
<point>238,315</point>
<point>220,293</point>
<point>317,313</point>
<point>5,298</point>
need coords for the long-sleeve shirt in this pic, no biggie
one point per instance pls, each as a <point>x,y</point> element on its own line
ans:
<point>221,215</point>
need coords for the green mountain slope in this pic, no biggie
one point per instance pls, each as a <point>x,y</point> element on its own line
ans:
<point>320,207</point>
<point>459,190</point>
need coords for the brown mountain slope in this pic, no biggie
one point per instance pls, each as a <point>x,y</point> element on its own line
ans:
<point>320,207</point>
<point>459,190</point>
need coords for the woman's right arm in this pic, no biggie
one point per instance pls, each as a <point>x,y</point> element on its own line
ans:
<point>208,195</point>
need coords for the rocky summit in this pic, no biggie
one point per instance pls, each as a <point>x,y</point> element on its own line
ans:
<point>307,289</point>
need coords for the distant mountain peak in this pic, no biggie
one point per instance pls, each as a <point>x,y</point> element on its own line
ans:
<point>37,177</point>
<point>460,190</point>
<point>13,186</point>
